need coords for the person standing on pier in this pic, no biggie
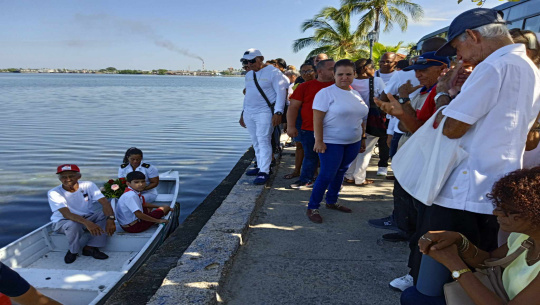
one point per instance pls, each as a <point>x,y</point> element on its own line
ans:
<point>264,102</point>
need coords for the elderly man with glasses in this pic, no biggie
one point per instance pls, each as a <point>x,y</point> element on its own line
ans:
<point>264,101</point>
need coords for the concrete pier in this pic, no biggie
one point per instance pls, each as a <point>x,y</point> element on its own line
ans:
<point>250,244</point>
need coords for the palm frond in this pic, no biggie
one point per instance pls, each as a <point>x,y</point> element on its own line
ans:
<point>303,43</point>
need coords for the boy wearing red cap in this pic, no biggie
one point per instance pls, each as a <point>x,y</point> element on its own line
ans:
<point>71,204</point>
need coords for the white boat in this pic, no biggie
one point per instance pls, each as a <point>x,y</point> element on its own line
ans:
<point>39,256</point>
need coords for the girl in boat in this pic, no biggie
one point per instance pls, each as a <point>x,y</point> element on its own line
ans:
<point>132,162</point>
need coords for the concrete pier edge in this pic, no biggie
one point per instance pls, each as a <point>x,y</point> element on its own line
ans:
<point>204,265</point>
<point>197,253</point>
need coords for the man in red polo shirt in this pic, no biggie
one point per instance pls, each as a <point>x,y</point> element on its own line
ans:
<point>302,98</point>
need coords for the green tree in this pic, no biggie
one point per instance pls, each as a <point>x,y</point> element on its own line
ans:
<point>332,35</point>
<point>385,12</point>
<point>379,49</point>
<point>111,69</point>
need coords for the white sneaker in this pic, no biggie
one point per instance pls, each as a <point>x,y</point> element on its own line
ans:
<point>402,283</point>
<point>383,171</point>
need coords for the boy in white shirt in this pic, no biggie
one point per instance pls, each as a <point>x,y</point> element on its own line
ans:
<point>133,212</point>
<point>71,204</point>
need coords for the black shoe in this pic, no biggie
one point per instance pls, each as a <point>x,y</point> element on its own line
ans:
<point>395,237</point>
<point>386,223</point>
<point>95,253</point>
<point>70,257</point>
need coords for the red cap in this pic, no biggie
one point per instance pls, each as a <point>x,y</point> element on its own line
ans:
<point>67,167</point>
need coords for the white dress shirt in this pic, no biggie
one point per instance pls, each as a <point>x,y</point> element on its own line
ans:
<point>500,99</point>
<point>273,83</point>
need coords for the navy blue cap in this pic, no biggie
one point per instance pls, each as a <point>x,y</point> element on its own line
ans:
<point>426,60</point>
<point>470,19</point>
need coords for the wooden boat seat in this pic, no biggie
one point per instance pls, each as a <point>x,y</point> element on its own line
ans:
<point>165,198</point>
<point>70,279</point>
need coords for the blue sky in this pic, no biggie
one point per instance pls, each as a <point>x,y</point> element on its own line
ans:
<point>146,35</point>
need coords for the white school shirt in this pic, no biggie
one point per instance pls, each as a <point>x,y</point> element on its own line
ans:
<point>273,83</point>
<point>129,203</point>
<point>344,109</point>
<point>398,79</point>
<point>500,99</point>
<point>79,202</point>
<point>149,172</point>
<point>385,76</point>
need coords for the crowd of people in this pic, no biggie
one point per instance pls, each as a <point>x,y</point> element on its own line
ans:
<point>461,123</point>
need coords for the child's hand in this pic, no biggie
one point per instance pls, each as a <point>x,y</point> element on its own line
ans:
<point>163,221</point>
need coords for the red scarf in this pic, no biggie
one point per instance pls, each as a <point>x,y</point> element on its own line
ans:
<point>129,189</point>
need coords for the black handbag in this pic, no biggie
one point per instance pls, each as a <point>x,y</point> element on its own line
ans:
<point>376,124</point>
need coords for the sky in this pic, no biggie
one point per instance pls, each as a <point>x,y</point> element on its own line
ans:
<point>174,35</point>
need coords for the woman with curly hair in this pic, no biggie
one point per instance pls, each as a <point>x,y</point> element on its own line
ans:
<point>516,198</point>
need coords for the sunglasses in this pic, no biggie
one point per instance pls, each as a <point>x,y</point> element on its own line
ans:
<point>245,61</point>
<point>306,71</point>
<point>425,61</point>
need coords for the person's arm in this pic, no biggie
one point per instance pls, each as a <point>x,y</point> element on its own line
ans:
<point>153,182</point>
<point>533,137</point>
<point>318,117</point>
<point>143,216</point>
<point>93,228</point>
<point>292,115</point>
<point>110,227</point>
<point>363,142</point>
<point>405,113</point>
<point>280,84</point>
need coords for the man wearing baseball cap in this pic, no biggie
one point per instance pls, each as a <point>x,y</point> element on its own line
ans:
<point>71,204</point>
<point>491,116</point>
<point>264,103</point>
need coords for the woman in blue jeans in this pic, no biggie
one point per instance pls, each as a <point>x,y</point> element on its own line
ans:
<point>339,136</point>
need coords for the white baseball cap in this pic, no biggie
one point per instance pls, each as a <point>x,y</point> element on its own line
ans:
<point>250,54</point>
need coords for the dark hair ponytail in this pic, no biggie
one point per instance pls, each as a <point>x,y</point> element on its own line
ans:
<point>132,151</point>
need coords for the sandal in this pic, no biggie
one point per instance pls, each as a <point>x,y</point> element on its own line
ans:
<point>366,182</point>
<point>290,176</point>
<point>349,181</point>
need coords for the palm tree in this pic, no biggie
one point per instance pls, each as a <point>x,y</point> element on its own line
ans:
<point>332,35</point>
<point>379,49</point>
<point>386,11</point>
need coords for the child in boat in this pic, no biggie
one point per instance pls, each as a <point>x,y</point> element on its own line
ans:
<point>132,210</point>
<point>71,204</point>
<point>132,162</point>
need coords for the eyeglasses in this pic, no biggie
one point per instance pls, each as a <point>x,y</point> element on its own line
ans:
<point>64,177</point>
<point>306,71</point>
<point>252,61</point>
<point>425,61</point>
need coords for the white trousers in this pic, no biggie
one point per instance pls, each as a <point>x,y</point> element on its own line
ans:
<point>260,130</point>
<point>358,168</point>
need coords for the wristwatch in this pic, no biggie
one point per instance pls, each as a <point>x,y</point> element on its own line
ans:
<point>457,273</point>
<point>111,217</point>
<point>441,94</point>
<point>279,113</point>
<point>403,100</point>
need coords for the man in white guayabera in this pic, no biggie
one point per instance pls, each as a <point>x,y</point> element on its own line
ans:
<point>266,92</point>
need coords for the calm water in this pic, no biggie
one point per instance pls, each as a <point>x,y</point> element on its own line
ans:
<point>188,124</point>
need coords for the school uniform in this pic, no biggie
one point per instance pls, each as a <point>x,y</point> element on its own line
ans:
<point>129,203</point>
<point>149,171</point>
<point>80,203</point>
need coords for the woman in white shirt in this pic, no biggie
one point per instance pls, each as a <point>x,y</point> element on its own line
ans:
<point>338,112</point>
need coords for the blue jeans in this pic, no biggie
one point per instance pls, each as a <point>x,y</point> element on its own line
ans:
<point>335,161</point>
<point>311,159</point>
<point>411,296</point>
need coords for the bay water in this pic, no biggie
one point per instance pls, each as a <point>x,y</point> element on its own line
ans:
<point>182,123</point>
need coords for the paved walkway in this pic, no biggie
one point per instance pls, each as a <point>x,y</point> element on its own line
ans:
<point>289,260</point>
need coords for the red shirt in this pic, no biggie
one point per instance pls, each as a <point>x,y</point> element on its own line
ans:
<point>429,106</point>
<point>305,92</point>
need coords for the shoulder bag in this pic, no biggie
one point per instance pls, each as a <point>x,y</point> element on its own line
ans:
<point>491,277</point>
<point>276,133</point>
<point>376,120</point>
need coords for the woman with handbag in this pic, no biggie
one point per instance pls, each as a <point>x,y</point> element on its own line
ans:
<point>516,198</point>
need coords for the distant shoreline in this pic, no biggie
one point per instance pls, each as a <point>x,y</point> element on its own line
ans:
<point>194,73</point>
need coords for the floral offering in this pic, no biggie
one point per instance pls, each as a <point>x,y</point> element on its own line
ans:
<point>114,188</point>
